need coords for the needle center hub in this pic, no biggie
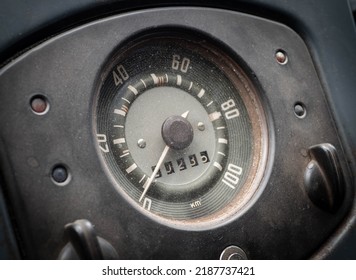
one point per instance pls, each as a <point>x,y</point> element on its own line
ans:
<point>177,132</point>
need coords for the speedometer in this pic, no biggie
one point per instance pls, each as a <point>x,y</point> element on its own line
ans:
<point>181,129</point>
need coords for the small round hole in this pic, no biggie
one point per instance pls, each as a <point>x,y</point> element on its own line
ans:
<point>39,104</point>
<point>300,110</point>
<point>60,175</point>
<point>281,57</point>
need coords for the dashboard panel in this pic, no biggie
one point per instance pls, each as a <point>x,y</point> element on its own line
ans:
<point>219,127</point>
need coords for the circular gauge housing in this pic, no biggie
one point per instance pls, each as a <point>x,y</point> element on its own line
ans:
<point>182,130</point>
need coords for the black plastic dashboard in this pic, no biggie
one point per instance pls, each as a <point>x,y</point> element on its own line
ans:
<point>296,62</point>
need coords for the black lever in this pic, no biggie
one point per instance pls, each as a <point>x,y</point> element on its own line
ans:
<point>85,244</point>
<point>83,238</point>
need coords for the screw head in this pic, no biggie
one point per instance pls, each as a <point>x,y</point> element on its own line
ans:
<point>201,126</point>
<point>141,143</point>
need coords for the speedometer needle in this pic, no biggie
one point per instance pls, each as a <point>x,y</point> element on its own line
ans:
<point>159,163</point>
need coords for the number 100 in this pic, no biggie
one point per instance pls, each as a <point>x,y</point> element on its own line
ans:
<point>231,176</point>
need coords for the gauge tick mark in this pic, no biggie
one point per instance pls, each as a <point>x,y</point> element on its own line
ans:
<point>214,116</point>
<point>222,141</point>
<point>201,93</point>
<point>179,80</point>
<point>125,100</point>
<point>218,166</point>
<point>159,80</point>
<point>143,82</point>
<point>125,153</point>
<point>120,112</point>
<point>143,177</point>
<point>131,168</point>
<point>119,141</point>
<point>133,89</point>
<point>155,79</point>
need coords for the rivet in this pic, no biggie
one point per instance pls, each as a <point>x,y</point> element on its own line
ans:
<point>201,126</point>
<point>141,143</point>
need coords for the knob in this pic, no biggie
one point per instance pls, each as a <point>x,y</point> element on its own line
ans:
<point>233,253</point>
<point>324,179</point>
<point>177,132</point>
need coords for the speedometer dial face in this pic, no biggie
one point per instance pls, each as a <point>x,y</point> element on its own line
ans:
<point>181,129</point>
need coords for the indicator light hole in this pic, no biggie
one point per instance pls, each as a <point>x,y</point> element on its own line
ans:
<point>281,57</point>
<point>300,110</point>
<point>60,175</point>
<point>39,104</point>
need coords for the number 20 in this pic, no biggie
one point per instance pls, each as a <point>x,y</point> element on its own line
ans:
<point>103,145</point>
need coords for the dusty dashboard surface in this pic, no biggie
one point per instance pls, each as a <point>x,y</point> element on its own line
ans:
<point>151,126</point>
